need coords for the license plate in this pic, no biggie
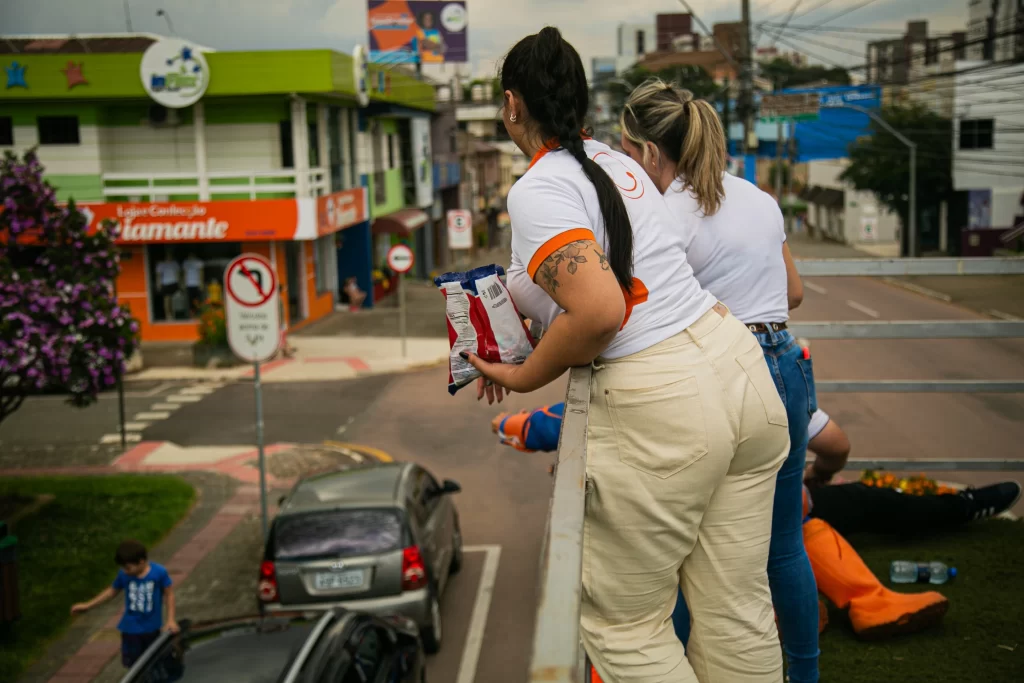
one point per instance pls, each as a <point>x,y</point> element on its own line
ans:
<point>352,578</point>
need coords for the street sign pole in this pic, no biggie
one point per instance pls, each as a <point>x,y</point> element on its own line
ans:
<point>401,312</point>
<point>259,448</point>
<point>400,260</point>
<point>252,317</point>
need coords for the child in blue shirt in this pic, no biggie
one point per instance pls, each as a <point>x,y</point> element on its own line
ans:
<point>146,586</point>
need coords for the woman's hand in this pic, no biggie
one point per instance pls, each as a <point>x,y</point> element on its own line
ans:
<point>498,379</point>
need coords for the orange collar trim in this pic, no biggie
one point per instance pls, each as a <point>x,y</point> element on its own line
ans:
<point>549,146</point>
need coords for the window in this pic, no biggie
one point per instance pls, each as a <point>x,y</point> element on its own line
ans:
<point>369,651</point>
<point>976,134</point>
<point>6,131</point>
<point>287,150</point>
<point>391,151</point>
<point>58,130</point>
<point>640,52</point>
<point>323,256</point>
<point>453,141</point>
<point>183,277</point>
<point>314,144</point>
<point>341,533</point>
<point>427,491</point>
<point>334,148</point>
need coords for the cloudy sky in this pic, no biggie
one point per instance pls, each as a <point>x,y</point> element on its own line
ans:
<point>493,24</point>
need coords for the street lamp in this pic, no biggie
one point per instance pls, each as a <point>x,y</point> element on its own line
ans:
<point>167,18</point>
<point>912,223</point>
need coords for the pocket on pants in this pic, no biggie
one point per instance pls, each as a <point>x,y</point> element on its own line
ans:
<point>659,430</point>
<point>806,366</point>
<point>756,369</point>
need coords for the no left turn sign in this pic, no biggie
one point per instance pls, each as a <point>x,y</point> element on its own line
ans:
<point>251,308</point>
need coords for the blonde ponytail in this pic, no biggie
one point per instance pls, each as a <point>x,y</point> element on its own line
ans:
<point>685,130</point>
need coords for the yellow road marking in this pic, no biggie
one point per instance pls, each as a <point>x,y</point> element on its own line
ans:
<point>368,450</point>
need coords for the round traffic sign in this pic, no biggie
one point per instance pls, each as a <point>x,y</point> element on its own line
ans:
<point>250,281</point>
<point>400,258</point>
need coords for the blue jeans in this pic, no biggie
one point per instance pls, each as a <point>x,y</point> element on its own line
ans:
<point>789,571</point>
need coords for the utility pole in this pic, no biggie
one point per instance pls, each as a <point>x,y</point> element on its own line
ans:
<point>747,79</point>
<point>789,178</point>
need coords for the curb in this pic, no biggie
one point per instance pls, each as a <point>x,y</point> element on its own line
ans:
<point>1003,316</point>
<point>918,289</point>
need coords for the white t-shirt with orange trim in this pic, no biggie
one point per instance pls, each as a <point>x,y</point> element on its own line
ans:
<point>736,254</point>
<point>555,204</point>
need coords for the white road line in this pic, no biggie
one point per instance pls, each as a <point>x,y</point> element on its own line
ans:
<point>815,288</point>
<point>481,607</point>
<point>135,426</point>
<point>158,415</point>
<point>199,390</point>
<point>165,406</point>
<point>179,398</point>
<point>116,438</point>
<point>158,390</point>
<point>1003,316</point>
<point>862,308</point>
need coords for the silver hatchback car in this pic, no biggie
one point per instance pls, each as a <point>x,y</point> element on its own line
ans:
<point>382,539</point>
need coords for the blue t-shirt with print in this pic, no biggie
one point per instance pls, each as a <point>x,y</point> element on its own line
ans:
<point>143,599</point>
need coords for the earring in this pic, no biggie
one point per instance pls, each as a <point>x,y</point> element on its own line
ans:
<point>512,117</point>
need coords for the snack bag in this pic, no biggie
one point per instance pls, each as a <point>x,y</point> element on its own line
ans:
<point>482,320</point>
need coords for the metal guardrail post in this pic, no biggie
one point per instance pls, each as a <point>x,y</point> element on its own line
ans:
<point>556,638</point>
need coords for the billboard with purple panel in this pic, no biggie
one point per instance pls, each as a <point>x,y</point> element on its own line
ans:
<point>417,31</point>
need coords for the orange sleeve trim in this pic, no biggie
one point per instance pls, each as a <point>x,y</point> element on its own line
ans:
<point>556,243</point>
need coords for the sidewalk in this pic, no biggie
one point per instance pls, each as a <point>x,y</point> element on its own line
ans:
<point>322,358</point>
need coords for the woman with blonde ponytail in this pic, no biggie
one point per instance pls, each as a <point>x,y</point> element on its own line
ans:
<point>739,253</point>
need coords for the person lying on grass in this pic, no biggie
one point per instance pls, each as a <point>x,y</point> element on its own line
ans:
<point>830,510</point>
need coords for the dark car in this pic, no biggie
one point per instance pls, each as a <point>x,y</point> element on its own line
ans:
<point>381,539</point>
<point>337,646</point>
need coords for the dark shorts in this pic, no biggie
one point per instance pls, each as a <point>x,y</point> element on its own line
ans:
<point>134,644</point>
<point>168,290</point>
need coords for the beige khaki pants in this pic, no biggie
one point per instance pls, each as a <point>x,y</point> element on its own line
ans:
<point>684,442</point>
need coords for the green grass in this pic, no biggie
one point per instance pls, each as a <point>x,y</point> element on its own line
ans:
<point>66,549</point>
<point>986,611</point>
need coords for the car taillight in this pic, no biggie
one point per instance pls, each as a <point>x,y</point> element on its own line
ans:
<point>414,571</point>
<point>268,582</point>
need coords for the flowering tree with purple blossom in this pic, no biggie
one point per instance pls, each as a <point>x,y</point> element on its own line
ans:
<point>60,324</point>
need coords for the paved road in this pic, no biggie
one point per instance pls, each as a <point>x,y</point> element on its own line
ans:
<point>946,426</point>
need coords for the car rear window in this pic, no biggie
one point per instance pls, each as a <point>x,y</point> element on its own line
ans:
<point>337,533</point>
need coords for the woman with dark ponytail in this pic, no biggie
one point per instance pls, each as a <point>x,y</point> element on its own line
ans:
<point>739,254</point>
<point>686,431</point>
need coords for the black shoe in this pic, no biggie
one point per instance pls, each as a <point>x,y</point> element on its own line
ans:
<point>989,501</point>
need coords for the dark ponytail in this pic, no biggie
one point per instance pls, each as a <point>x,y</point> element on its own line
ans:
<point>548,74</point>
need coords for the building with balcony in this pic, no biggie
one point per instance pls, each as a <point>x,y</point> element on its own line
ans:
<point>202,155</point>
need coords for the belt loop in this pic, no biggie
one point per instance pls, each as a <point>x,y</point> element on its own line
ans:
<point>596,366</point>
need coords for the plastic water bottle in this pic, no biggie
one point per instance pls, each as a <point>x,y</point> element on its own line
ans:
<point>902,571</point>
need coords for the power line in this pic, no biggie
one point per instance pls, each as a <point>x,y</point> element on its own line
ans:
<point>847,11</point>
<point>842,29</point>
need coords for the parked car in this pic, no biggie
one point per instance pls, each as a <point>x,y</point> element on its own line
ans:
<point>336,646</point>
<point>382,539</point>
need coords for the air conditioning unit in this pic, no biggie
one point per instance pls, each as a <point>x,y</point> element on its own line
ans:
<point>160,116</point>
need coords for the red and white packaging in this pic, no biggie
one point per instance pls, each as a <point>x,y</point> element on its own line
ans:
<point>482,320</point>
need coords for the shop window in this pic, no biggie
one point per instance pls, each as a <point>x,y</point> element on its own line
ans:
<point>976,134</point>
<point>58,130</point>
<point>183,277</point>
<point>287,150</point>
<point>6,131</point>
<point>314,144</point>
<point>323,253</point>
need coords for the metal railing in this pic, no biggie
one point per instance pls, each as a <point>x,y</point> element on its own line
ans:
<point>255,184</point>
<point>558,655</point>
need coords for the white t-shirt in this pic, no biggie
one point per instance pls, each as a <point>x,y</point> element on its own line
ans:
<point>167,273</point>
<point>555,204</point>
<point>193,272</point>
<point>736,254</point>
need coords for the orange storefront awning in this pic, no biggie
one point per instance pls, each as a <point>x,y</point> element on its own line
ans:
<point>400,223</point>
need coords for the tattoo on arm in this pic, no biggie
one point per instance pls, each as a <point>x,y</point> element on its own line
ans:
<point>571,255</point>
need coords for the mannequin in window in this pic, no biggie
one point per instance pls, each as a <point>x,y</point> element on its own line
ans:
<point>193,268</point>
<point>168,276</point>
